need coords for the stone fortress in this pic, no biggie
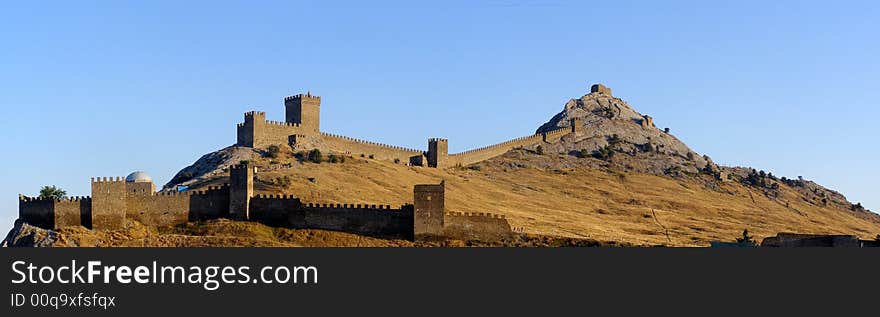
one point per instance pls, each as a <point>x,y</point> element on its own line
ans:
<point>114,200</point>
<point>135,197</point>
<point>302,129</point>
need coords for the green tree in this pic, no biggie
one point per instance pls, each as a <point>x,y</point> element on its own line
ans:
<point>52,192</point>
<point>315,156</point>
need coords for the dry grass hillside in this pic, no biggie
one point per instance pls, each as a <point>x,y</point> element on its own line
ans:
<point>567,196</point>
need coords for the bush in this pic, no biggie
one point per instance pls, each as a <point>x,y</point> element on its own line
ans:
<point>283,181</point>
<point>583,153</point>
<point>333,158</point>
<point>666,130</point>
<point>52,192</point>
<point>396,161</point>
<point>273,151</point>
<point>315,156</point>
<point>690,156</point>
<point>746,238</point>
<point>474,167</point>
<point>539,150</point>
<point>614,140</point>
<point>372,156</point>
<point>604,153</point>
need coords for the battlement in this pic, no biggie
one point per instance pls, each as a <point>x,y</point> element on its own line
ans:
<point>283,124</point>
<point>388,146</point>
<point>108,179</point>
<point>438,140</point>
<point>307,95</point>
<point>26,199</point>
<point>351,206</point>
<point>476,214</point>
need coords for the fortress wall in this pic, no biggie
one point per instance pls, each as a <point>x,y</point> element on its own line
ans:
<point>356,147</point>
<point>274,210</point>
<point>479,226</point>
<point>487,152</point>
<point>212,203</point>
<point>555,135</point>
<point>37,212</point>
<point>373,220</point>
<point>257,132</point>
<point>158,209</point>
<point>55,214</point>
<point>276,133</point>
<point>74,211</point>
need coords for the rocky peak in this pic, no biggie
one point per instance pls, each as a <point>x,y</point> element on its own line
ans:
<point>609,121</point>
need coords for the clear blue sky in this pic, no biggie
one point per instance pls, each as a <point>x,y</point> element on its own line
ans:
<point>105,88</point>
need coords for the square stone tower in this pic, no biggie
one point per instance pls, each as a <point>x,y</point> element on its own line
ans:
<point>438,151</point>
<point>108,203</point>
<point>305,110</point>
<point>241,189</point>
<point>429,204</point>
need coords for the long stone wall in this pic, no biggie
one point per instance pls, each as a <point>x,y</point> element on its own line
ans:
<point>357,147</point>
<point>487,152</point>
<point>479,226</point>
<point>52,213</point>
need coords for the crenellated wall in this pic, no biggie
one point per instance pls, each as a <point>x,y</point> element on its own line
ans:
<point>478,226</point>
<point>356,147</point>
<point>487,152</point>
<point>302,122</point>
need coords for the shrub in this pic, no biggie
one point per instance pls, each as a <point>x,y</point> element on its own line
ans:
<point>372,156</point>
<point>604,153</point>
<point>614,140</point>
<point>690,156</point>
<point>273,151</point>
<point>746,238</point>
<point>474,167</point>
<point>333,158</point>
<point>315,156</point>
<point>283,181</point>
<point>583,153</point>
<point>666,130</point>
<point>539,150</point>
<point>396,161</point>
<point>52,192</point>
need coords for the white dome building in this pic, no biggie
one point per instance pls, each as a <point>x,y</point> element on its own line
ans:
<point>139,182</point>
<point>138,177</point>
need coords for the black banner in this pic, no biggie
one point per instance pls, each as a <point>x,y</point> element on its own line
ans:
<point>454,281</point>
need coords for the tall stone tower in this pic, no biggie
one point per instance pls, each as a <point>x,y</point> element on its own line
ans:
<point>438,151</point>
<point>241,189</point>
<point>108,203</point>
<point>305,110</point>
<point>429,204</point>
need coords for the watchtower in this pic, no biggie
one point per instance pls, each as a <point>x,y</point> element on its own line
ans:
<point>438,151</point>
<point>305,110</point>
<point>599,88</point>
<point>108,203</point>
<point>429,204</point>
<point>241,189</point>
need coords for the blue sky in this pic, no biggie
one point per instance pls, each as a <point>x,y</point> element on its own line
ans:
<point>105,88</point>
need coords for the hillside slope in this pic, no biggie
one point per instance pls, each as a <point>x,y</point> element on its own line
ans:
<point>618,179</point>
